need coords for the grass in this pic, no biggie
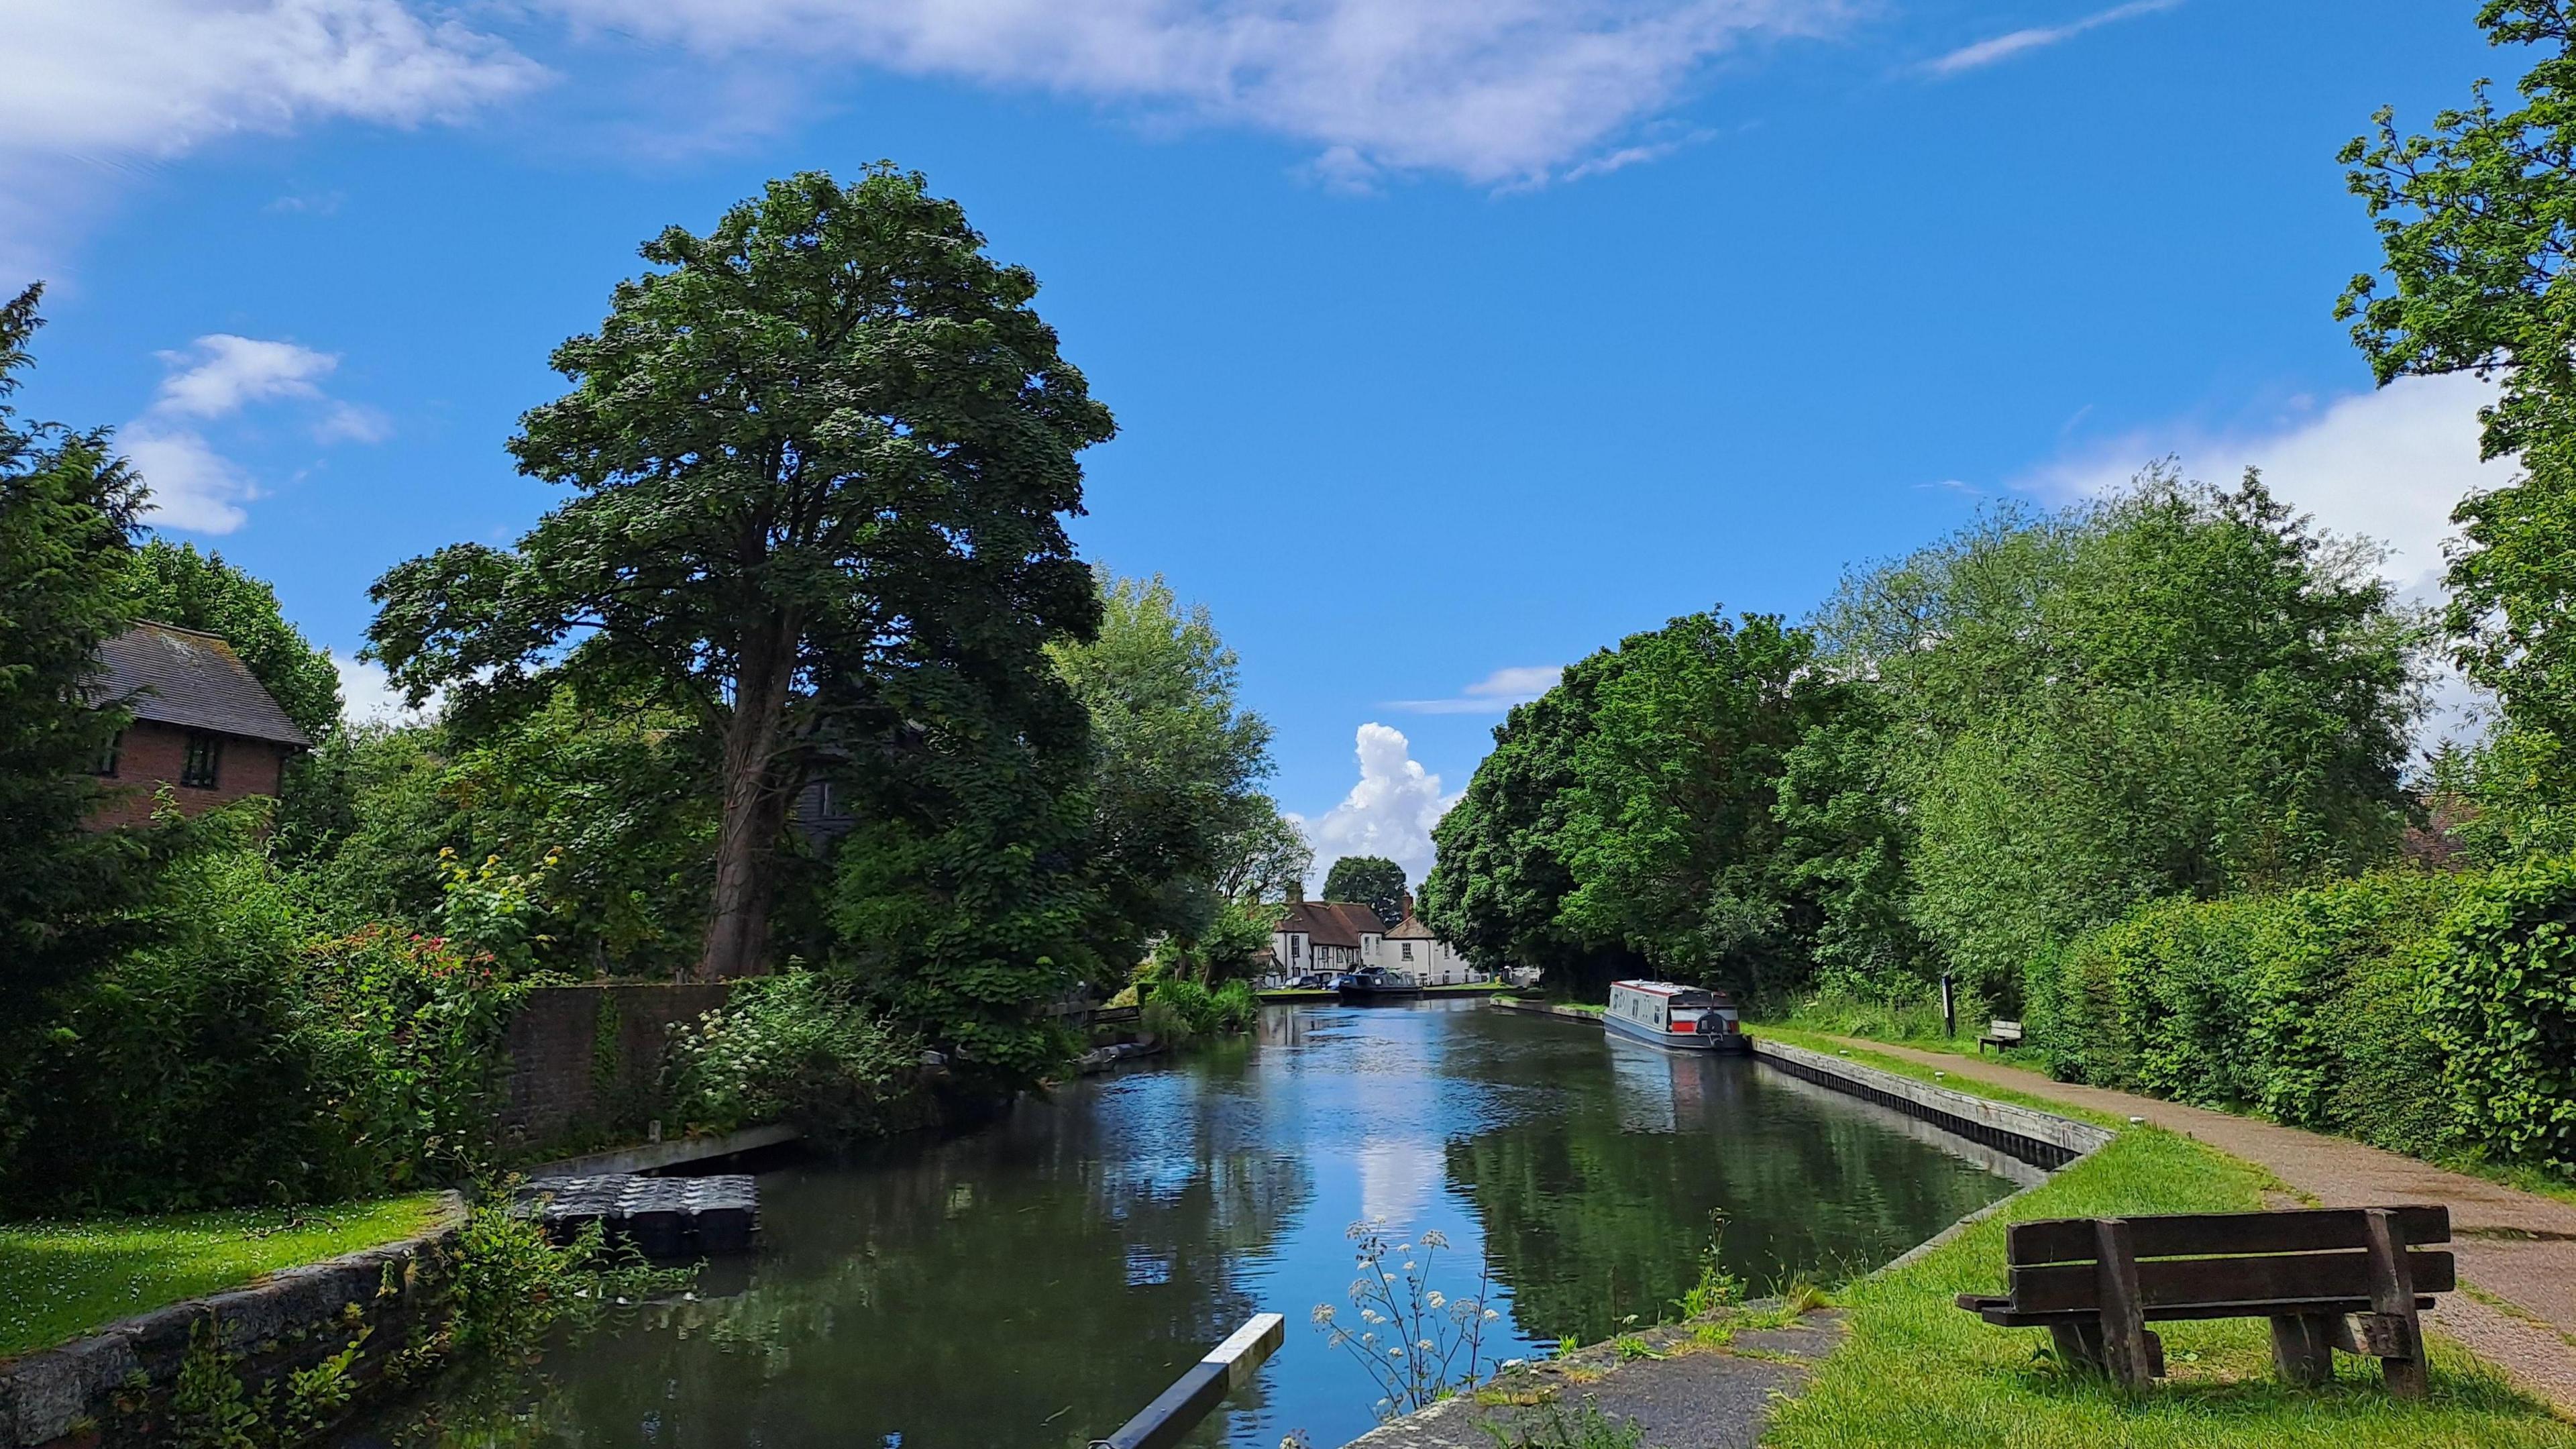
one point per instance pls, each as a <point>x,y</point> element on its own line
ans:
<point>1817,1042</point>
<point>1917,1370</point>
<point>59,1280</point>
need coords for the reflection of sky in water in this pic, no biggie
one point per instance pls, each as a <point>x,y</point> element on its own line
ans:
<point>1033,1283</point>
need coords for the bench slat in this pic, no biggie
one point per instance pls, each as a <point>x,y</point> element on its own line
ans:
<point>2168,1284</point>
<point>2070,1240</point>
<point>2001,1313</point>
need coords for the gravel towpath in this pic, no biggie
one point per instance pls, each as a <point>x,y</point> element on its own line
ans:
<point>2516,1250</point>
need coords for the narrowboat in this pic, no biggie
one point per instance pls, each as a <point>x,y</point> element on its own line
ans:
<point>1376,983</point>
<point>1685,1018</point>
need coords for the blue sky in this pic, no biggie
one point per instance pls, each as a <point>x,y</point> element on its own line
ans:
<point>1449,339</point>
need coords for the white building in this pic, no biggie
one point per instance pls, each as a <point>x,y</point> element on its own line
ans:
<point>1347,935</point>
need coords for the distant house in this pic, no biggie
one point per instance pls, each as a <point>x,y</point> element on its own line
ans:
<point>203,726</point>
<point>1347,935</point>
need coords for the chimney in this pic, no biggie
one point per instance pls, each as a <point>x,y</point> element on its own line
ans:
<point>1408,904</point>
<point>1297,891</point>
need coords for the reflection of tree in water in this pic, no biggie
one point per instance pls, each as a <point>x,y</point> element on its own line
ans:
<point>991,1290</point>
<point>1603,1212</point>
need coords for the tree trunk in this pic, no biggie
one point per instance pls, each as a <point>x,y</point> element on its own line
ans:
<point>756,795</point>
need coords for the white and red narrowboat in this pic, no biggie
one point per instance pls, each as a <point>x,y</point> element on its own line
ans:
<point>1685,1018</point>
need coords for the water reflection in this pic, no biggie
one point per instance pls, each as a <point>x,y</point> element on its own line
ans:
<point>1036,1282</point>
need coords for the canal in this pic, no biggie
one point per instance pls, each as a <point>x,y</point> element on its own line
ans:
<point>1033,1283</point>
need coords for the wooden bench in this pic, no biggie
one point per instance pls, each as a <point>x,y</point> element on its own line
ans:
<point>1999,1035</point>
<point>2328,1278</point>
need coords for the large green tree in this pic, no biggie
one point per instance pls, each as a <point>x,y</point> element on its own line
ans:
<point>1177,762</point>
<point>824,446</point>
<point>1505,849</point>
<point>2474,222</point>
<point>2178,690</point>
<point>1371,879</point>
<point>1678,847</point>
<point>68,510</point>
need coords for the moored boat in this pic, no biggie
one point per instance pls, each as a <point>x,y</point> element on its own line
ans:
<point>1376,983</point>
<point>1684,1018</point>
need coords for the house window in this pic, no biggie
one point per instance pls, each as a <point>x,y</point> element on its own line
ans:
<point>1293,944</point>
<point>105,764</point>
<point>1408,950</point>
<point>205,762</point>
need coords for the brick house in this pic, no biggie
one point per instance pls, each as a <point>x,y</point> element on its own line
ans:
<point>202,725</point>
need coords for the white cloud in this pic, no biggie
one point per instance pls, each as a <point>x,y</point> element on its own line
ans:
<point>1493,694</point>
<point>2388,465</point>
<point>193,487</point>
<point>2005,47</point>
<point>1390,811</point>
<point>102,78</point>
<point>97,88</point>
<point>1495,91</point>
<point>230,372</point>
<point>367,696</point>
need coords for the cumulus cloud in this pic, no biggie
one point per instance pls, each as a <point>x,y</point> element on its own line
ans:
<point>194,487</point>
<point>1390,811</point>
<point>1493,694</point>
<point>1495,91</point>
<point>2020,42</point>
<point>2388,465</point>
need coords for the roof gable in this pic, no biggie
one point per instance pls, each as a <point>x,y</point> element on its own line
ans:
<point>182,677</point>
<point>1332,923</point>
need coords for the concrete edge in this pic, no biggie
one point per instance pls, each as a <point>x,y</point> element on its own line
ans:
<point>670,1153</point>
<point>46,1394</point>
<point>1981,1118</point>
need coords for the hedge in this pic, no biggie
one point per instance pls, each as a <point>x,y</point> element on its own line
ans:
<point>2431,1014</point>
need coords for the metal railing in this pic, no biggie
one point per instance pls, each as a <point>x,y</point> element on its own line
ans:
<point>1170,1417</point>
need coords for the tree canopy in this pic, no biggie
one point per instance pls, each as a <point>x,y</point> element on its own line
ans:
<point>823,456</point>
<point>1372,879</point>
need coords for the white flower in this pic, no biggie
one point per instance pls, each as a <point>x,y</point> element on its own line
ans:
<point>1434,1298</point>
<point>1390,1277</point>
<point>1395,1353</point>
<point>1427,1346</point>
<point>1435,1239</point>
<point>1323,1314</point>
<point>1491,1315</point>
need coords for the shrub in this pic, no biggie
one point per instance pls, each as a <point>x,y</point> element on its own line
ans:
<point>799,1047</point>
<point>2306,1004</point>
<point>1178,1008</point>
<point>2500,998</point>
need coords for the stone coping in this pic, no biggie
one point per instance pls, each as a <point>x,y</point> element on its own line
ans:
<point>1981,1118</point>
<point>53,1393</point>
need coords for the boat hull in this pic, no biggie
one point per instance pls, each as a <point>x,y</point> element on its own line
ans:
<point>1367,995</point>
<point>1687,1041</point>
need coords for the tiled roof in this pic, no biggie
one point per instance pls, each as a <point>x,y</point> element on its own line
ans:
<point>1332,923</point>
<point>182,677</point>
<point>1411,929</point>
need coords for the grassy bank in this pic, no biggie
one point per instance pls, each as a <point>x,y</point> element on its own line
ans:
<point>59,1280</point>
<point>1918,1370</point>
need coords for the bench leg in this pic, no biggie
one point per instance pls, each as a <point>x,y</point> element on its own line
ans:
<point>2125,1351</point>
<point>2303,1349</point>
<point>2392,1297</point>
<point>2079,1345</point>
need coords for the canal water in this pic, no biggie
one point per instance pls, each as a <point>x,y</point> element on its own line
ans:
<point>1034,1283</point>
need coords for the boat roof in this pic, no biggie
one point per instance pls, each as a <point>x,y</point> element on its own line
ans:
<point>1666,988</point>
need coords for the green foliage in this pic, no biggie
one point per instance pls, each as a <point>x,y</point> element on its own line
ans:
<point>1679,846</point>
<point>1177,1009</point>
<point>821,447</point>
<point>2500,999</point>
<point>68,512</point>
<point>801,1047</point>
<point>2178,690</point>
<point>1180,830</point>
<point>1505,849</point>
<point>1372,879</point>
<point>2314,1006</point>
<point>1553,1426</point>
<point>2472,224</point>
<point>209,1407</point>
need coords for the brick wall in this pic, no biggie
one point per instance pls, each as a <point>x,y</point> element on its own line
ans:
<point>587,1060</point>
<point>150,756</point>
